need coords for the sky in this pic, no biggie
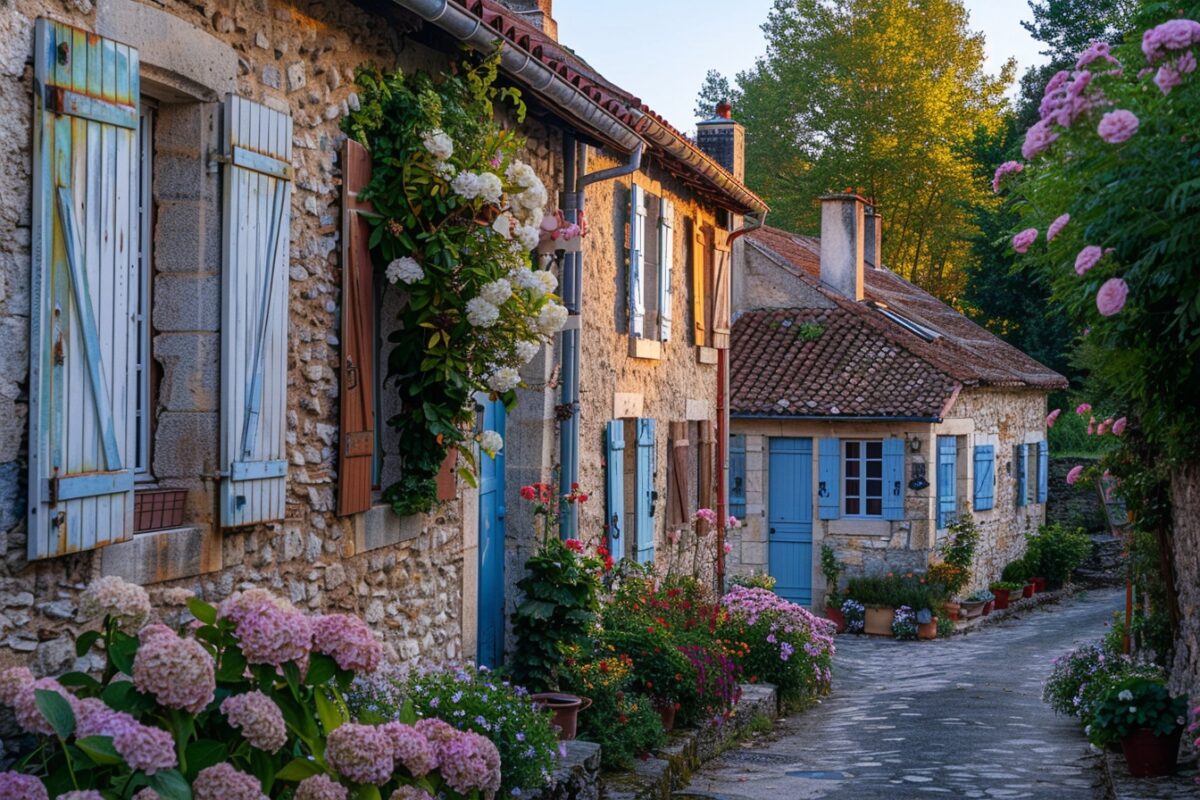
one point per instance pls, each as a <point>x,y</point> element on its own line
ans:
<point>660,49</point>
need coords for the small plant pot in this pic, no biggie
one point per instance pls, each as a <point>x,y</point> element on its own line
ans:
<point>988,606</point>
<point>1148,755</point>
<point>877,621</point>
<point>1001,600</point>
<point>971,610</point>
<point>1027,591</point>
<point>666,711</point>
<point>953,610</point>
<point>927,630</point>
<point>836,616</point>
<point>566,709</point>
<point>1039,585</point>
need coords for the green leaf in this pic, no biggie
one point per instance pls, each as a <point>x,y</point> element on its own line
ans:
<point>85,641</point>
<point>100,749</point>
<point>233,666</point>
<point>202,611</point>
<point>122,696</point>
<point>408,713</point>
<point>331,713</point>
<point>56,710</point>
<point>80,679</point>
<point>468,477</point>
<point>297,770</point>
<point>121,651</point>
<point>170,785</point>
<point>204,753</point>
<point>320,669</point>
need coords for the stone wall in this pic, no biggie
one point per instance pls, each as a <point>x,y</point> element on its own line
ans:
<point>1073,506</point>
<point>1185,500</point>
<point>405,577</point>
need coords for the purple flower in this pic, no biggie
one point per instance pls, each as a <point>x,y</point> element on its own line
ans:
<point>411,749</point>
<point>258,718</point>
<point>1005,169</point>
<point>178,672</point>
<point>349,640</point>
<point>1117,126</point>
<point>145,748</point>
<point>1056,227</point>
<point>224,782</point>
<point>1111,297</point>
<point>362,753</point>
<point>1176,34</point>
<point>1087,258</point>
<point>1024,239</point>
<point>320,787</point>
<point>1038,139</point>
<point>470,762</point>
<point>15,786</point>
<point>25,707</point>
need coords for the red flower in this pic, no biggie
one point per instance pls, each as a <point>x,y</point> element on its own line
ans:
<point>608,563</point>
<point>574,487</point>
<point>528,492</point>
<point>583,498</point>
<point>574,545</point>
<point>601,550</point>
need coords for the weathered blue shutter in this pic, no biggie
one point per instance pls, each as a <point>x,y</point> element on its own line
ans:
<point>637,277</point>
<point>614,459</point>
<point>985,477</point>
<point>893,478</point>
<point>1022,481</point>
<point>1043,471</point>
<point>84,288</point>
<point>737,476</point>
<point>646,495</point>
<point>829,456</point>
<point>254,325</point>
<point>947,477</point>
<point>666,263</point>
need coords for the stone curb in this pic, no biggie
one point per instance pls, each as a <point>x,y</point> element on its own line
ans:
<point>1015,608</point>
<point>1120,785</point>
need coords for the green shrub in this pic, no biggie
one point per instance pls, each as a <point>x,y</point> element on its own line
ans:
<point>1006,586</point>
<point>1016,571</point>
<point>832,569</point>
<point>960,544</point>
<point>625,724</point>
<point>914,590</point>
<point>659,670</point>
<point>1133,703</point>
<point>755,580</point>
<point>1057,551</point>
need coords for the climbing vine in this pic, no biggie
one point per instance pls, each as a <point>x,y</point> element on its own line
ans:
<point>457,214</point>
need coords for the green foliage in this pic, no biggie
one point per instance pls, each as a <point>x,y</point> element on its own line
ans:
<point>1069,435</point>
<point>831,105</point>
<point>561,590</point>
<point>1067,27</point>
<point>1055,552</point>
<point>832,569</point>
<point>659,670</point>
<point>1006,586</point>
<point>1134,703</point>
<point>442,357</point>
<point>915,590</point>
<point>755,580</point>
<point>473,700</point>
<point>1016,571</point>
<point>962,538</point>
<point>714,90</point>
<point>945,626</point>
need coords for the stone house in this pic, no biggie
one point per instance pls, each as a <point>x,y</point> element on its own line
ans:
<point>868,415</point>
<point>193,333</point>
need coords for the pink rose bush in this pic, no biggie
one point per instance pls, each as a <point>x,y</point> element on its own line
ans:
<point>1118,126</point>
<point>1111,297</point>
<point>1024,239</point>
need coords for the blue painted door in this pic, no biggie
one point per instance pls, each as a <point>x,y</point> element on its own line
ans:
<point>947,477</point>
<point>491,544</point>
<point>789,518</point>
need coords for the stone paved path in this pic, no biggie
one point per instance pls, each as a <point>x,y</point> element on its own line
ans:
<point>959,718</point>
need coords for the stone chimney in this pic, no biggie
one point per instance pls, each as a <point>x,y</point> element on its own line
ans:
<point>842,243</point>
<point>873,236</point>
<point>536,12</point>
<point>724,140</point>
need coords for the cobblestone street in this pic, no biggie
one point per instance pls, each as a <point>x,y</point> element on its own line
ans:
<point>959,718</point>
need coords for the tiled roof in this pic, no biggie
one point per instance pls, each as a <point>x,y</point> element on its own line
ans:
<point>626,107</point>
<point>963,350</point>
<point>849,370</point>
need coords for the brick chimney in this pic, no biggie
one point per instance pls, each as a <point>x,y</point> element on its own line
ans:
<point>873,236</point>
<point>536,12</point>
<point>842,243</point>
<point>724,140</point>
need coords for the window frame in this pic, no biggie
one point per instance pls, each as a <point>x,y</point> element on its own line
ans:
<point>143,405</point>
<point>862,497</point>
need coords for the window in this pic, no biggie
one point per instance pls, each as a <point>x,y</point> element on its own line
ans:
<point>143,407</point>
<point>926,333</point>
<point>862,470</point>
<point>737,475</point>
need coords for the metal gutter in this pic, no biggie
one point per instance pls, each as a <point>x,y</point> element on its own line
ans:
<point>688,153</point>
<point>793,418</point>
<point>581,109</point>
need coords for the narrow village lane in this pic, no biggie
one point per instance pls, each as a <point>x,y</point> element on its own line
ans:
<point>958,718</point>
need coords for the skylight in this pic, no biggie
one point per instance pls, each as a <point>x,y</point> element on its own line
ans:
<point>925,332</point>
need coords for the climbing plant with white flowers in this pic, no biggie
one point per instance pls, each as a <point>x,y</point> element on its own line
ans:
<point>458,214</point>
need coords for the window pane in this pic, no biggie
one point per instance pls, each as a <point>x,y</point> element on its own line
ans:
<point>852,468</point>
<point>874,508</point>
<point>851,450</point>
<point>874,469</point>
<point>874,449</point>
<point>852,505</point>
<point>874,488</point>
<point>852,488</point>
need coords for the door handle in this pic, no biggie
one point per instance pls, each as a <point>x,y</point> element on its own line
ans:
<point>772,531</point>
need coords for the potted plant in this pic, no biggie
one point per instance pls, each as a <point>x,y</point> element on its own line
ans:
<point>904,623</point>
<point>1017,571</point>
<point>1059,551</point>
<point>1145,719</point>
<point>854,613</point>
<point>927,624</point>
<point>972,605</point>
<point>1003,591</point>
<point>879,597</point>
<point>952,578</point>
<point>832,569</point>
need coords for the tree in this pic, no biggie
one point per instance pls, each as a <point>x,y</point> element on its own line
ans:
<point>715,89</point>
<point>884,96</point>
<point>1067,27</point>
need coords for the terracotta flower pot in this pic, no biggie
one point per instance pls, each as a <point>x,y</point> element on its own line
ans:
<point>877,620</point>
<point>666,710</point>
<point>988,606</point>
<point>1039,585</point>
<point>971,610</point>
<point>952,610</point>
<point>836,616</point>
<point>566,708</point>
<point>1001,600</point>
<point>927,630</point>
<point>1027,591</point>
<point>1148,755</point>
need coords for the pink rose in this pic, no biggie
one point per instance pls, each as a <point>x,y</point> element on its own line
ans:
<point>1087,258</point>
<point>1092,426</point>
<point>1038,139</point>
<point>1176,34</point>
<point>1007,168</point>
<point>1023,239</point>
<point>1052,417</point>
<point>1097,51</point>
<point>1118,427</point>
<point>1057,226</point>
<point>1083,408</point>
<point>728,548</point>
<point>1103,427</point>
<point>1117,126</point>
<point>1111,297</point>
<point>1074,475</point>
<point>1167,78</point>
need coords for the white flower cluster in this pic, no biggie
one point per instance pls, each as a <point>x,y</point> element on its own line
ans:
<point>526,350</point>
<point>504,379</point>
<point>496,292</point>
<point>551,318</point>
<point>491,443</point>
<point>127,603</point>
<point>438,143</point>
<point>481,313</point>
<point>527,204</point>
<point>524,278</point>
<point>445,170</point>
<point>404,270</point>
<point>472,185</point>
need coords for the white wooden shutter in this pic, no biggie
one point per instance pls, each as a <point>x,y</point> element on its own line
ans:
<point>666,259</point>
<point>722,275</point>
<point>637,276</point>
<point>257,216</point>
<point>83,331</point>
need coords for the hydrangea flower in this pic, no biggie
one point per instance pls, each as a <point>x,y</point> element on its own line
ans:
<point>491,443</point>
<point>1056,227</point>
<point>411,749</point>
<point>404,270</point>
<point>1002,171</point>
<point>362,753</point>
<point>81,794</point>
<point>258,718</point>
<point>481,313</point>
<point>28,715</point>
<point>551,318</point>
<point>522,174</point>
<point>524,277</point>
<point>94,718</point>
<point>275,635</point>
<point>1024,239</point>
<point>496,292</point>
<point>1111,297</point>
<point>146,748</point>
<point>348,639</point>
<point>468,762</point>
<point>411,793</point>
<point>438,143</point>
<point>1117,126</point>
<point>546,280</point>
<point>125,602</point>
<point>321,787</point>
<point>1087,258</point>
<point>11,682</point>
<point>16,786</point>
<point>224,782</point>
<point>178,672</point>
<point>504,379</point>
<point>524,351</point>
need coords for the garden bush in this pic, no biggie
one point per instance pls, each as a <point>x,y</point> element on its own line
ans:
<point>1135,702</point>
<point>1016,571</point>
<point>625,724</point>
<point>915,590</point>
<point>660,670</point>
<point>1056,551</point>
<point>1083,676</point>
<point>470,699</point>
